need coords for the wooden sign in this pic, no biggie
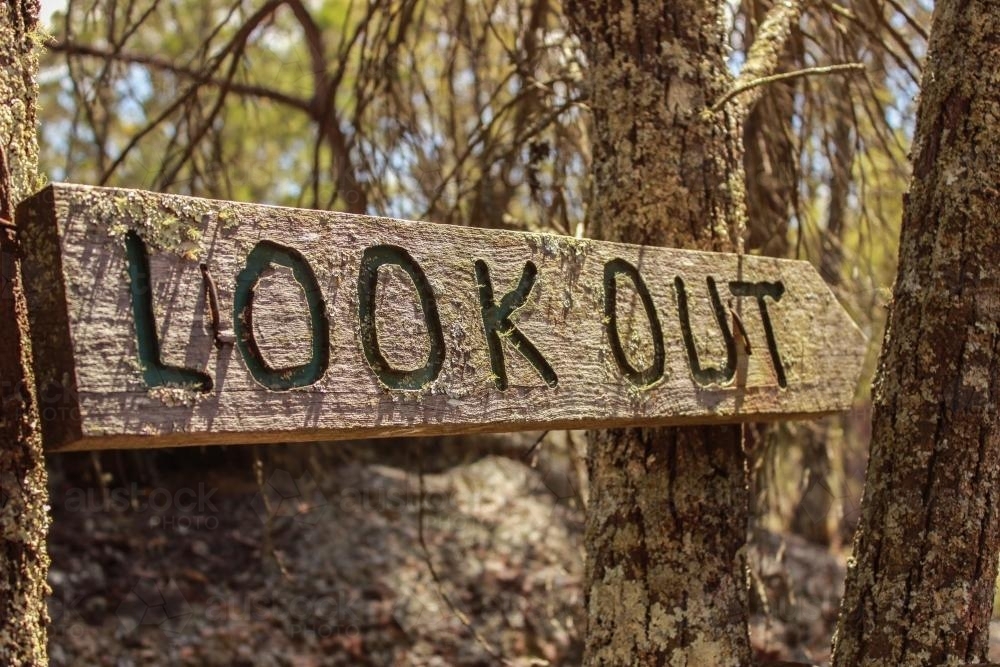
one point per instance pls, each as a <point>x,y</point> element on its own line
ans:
<point>161,320</point>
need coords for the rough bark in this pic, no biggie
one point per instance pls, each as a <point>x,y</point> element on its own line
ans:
<point>920,586</point>
<point>667,515</point>
<point>23,495</point>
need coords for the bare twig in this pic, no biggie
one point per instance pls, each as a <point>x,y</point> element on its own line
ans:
<point>766,50</point>
<point>268,547</point>
<point>326,117</point>
<point>784,76</point>
<point>237,44</point>
<point>531,450</point>
<point>162,64</point>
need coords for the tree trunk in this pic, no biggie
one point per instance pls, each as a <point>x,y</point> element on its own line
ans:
<point>24,518</point>
<point>920,589</point>
<point>667,514</point>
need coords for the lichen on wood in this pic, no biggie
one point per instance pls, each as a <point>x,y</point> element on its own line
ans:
<point>24,517</point>
<point>920,583</point>
<point>529,330</point>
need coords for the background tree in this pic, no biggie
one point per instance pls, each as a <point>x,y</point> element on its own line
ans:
<point>435,109</point>
<point>826,165</point>
<point>920,588</point>
<point>24,519</point>
<point>667,516</point>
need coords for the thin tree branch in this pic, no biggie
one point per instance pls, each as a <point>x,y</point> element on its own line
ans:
<point>325,115</point>
<point>166,177</point>
<point>764,54</point>
<point>165,65</point>
<point>784,76</point>
<point>237,44</point>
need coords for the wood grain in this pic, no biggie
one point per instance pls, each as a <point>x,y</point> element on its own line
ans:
<point>94,394</point>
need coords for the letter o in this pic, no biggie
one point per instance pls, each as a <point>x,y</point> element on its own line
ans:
<point>263,255</point>
<point>654,372</point>
<point>373,259</point>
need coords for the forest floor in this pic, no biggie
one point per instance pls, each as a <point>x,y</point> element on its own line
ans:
<point>346,560</point>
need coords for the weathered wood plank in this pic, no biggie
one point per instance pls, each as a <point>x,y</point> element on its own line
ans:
<point>336,326</point>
